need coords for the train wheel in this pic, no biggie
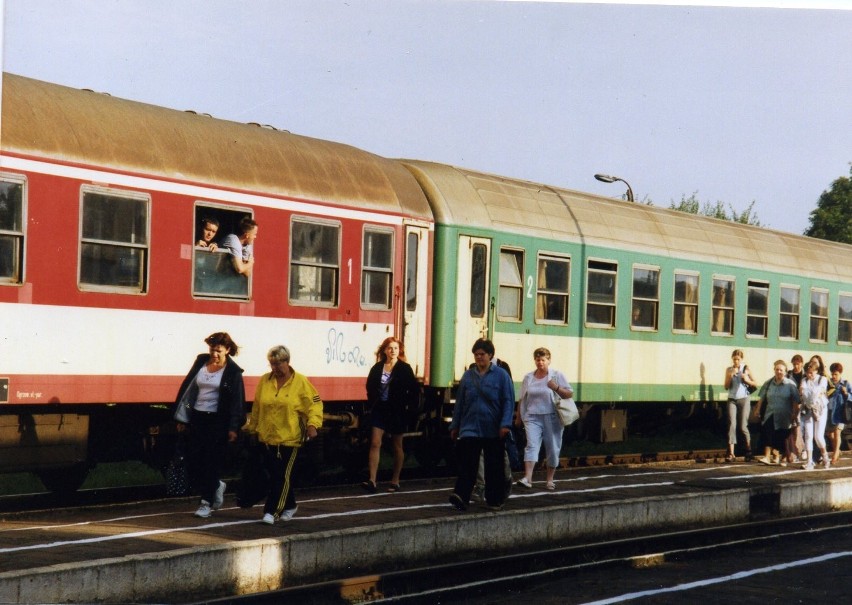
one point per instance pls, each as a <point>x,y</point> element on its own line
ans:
<point>64,480</point>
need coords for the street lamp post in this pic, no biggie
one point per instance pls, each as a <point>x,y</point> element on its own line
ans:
<point>605,178</point>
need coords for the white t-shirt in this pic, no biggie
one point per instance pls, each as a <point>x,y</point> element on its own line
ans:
<point>236,248</point>
<point>208,389</point>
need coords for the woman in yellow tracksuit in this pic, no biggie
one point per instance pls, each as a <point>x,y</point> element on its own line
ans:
<point>287,411</point>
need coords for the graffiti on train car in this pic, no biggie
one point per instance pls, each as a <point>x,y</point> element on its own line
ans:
<point>337,352</point>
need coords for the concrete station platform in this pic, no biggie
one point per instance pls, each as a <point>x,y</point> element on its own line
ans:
<point>158,551</point>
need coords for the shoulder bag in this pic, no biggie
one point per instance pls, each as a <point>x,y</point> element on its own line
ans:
<point>566,409</point>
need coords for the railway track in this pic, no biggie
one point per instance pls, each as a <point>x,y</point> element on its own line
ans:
<point>513,572</point>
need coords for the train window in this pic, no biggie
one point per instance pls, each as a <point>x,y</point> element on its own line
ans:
<point>757,315</point>
<point>685,318</point>
<point>789,321</point>
<point>478,273</point>
<point>645,306</point>
<point>314,262</point>
<point>844,319</point>
<point>553,289</point>
<point>819,315</point>
<point>411,257</point>
<point>600,293</point>
<point>377,268</point>
<point>213,273</point>
<point>12,206</point>
<point>114,241</point>
<point>510,296</point>
<point>722,320</point>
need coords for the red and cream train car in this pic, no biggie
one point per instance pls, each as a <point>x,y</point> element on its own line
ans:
<point>105,300</point>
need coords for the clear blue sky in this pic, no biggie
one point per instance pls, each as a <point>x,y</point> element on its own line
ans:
<point>733,103</point>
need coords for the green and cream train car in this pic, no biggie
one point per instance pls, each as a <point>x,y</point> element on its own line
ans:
<point>637,304</point>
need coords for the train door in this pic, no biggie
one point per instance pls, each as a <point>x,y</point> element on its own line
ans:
<point>414,303</point>
<point>472,309</point>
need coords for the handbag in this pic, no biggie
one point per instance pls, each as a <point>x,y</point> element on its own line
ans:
<point>177,474</point>
<point>751,388</point>
<point>183,411</point>
<point>566,409</point>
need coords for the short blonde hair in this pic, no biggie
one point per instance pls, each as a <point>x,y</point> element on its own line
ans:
<point>278,353</point>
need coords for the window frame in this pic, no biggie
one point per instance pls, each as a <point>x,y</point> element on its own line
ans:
<point>217,211</point>
<point>841,321</point>
<point>655,302</point>
<point>21,235</point>
<point>479,253</point>
<point>335,268</point>
<point>676,304</point>
<point>754,285</point>
<point>782,314</point>
<point>542,293</point>
<point>729,308</point>
<point>145,265</point>
<point>386,272</point>
<point>613,305</point>
<point>517,254</point>
<point>821,319</point>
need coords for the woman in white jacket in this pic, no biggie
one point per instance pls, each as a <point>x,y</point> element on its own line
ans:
<point>539,416</point>
<point>814,413</point>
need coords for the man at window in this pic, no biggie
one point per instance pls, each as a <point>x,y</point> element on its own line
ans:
<point>209,228</point>
<point>240,246</point>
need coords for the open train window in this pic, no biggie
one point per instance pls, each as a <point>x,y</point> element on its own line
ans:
<point>844,319</point>
<point>601,282</point>
<point>553,288</point>
<point>757,314</point>
<point>644,310</point>
<point>314,262</point>
<point>722,312</point>
<point>377,268</point>
<point>12,223</point>
<point>788,327</point>
<point>685,312</point>
<point>510,295</point>
<point>213,273</point>
<point>114,236</point>
<point>819,315</point>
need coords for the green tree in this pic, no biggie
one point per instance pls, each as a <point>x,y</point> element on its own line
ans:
<point>832,218</point>
<point>692,205</point>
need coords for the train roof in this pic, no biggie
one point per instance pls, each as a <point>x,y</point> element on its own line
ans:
<point>81,127</point>
<point>465,197</point>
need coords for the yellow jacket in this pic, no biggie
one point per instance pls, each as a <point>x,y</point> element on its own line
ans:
<point>281,416</point>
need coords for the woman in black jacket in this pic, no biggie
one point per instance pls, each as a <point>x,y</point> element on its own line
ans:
<point>392,390</point>
<point>211,412</point>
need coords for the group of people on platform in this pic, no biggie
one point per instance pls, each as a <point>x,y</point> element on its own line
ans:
<point>287,412</point>
<point>801,404</point>
<point>794,404</point>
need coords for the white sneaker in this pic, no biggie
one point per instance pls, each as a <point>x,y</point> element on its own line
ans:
<point>524,483</point>
<point>219,499</point>
<point>288,513</point>
<point>809,466</point>
<point>827,462</point>
<point>204,510</point>
<point>268,519</point>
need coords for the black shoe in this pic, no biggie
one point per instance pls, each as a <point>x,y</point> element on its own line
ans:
<point>369,486</point>
<point>456,502</point>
